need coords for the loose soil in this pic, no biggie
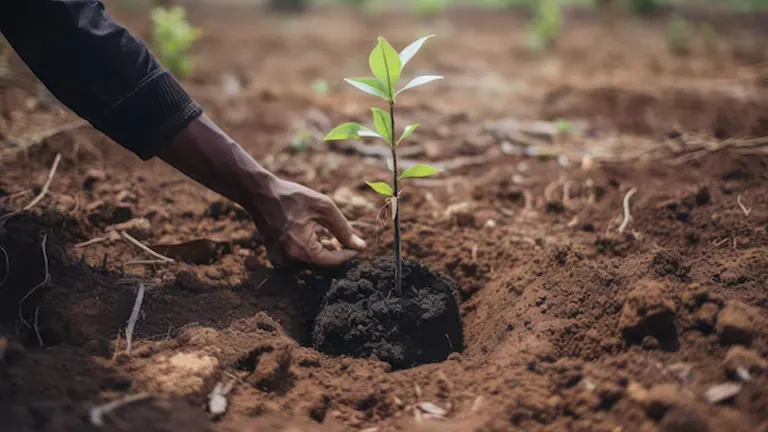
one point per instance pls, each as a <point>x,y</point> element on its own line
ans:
<point>568,323</point>
<point>362,315</point>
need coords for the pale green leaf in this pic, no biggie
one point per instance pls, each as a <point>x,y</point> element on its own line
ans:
<point>383,124</point>
<point>418,81</point>
<point>381,187</point>
<point>344,132</point>
<point>385,65</point>
<point>407,54</point>
<point>370,86</point>
<point>408,131</point>
<point>420,170</point>
<point>365,132</point>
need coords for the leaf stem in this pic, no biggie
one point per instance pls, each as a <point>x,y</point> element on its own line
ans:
<point>396,207</point>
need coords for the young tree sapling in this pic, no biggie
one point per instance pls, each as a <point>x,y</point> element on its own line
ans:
<point>386,65</point>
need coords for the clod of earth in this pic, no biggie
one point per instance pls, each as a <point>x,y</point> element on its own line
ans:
<point>647,312</point>
<point>362,316</point>
<point>737,323</point>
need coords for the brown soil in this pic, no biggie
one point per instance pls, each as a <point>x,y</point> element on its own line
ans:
<point>568,323</point>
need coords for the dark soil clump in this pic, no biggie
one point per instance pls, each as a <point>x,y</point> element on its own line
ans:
<point>363,316</point>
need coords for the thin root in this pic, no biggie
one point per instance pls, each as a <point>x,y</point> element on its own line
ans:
<point>96,414</point>
<point>743,207</point>
<point>45,281</point>
<point>134,317</point>
<point>37,329</point>
<point>627,213</point>
<point>145,248</point>
<point>7,267</point>
<point>40,196</point>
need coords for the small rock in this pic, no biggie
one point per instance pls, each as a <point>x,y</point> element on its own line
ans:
<point>139,228</point>
<point>706,315</point>
<point>661,398</point>
<point>637,392</point>
<point>650,343</point>
<point>430,408</point>
<point>647,312</point>
<point>683,419</point>
<point>737,323</point>
<point>722,392</point>
<point>739,358</point>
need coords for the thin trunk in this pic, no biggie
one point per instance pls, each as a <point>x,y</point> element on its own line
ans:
<point>396,207</point>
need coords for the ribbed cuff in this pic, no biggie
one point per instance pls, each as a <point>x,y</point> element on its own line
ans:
<point>151,115</point>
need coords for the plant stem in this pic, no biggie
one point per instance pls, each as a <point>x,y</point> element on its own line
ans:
<point>396,206</point>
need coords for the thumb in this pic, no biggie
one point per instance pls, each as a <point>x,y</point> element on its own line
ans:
<point>339,226</point>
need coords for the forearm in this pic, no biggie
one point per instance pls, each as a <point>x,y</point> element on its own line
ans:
<point>99,70</point>
<point>208,155</point>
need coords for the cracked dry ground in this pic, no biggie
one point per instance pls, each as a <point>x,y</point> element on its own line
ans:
<point>569,324</point>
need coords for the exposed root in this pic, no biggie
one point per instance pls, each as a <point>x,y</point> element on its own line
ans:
<point>41,284</point>
<point>720,242</point>
<point>134,317</point>
<point>7,267</point>
<point>743,208</point>
<point>40,196</point>
<point>528,199</point>
<point>96,414</point>
<point>37,328</point>
<point>145,248</point>
<point>627,213</point>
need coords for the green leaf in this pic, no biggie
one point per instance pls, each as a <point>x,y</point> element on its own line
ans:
<point>344,132</point>
<point>408,131</point>
<point>383,124</point>
<point>420,170</point>
<point>381,187</point>
<point>407,54</point>
<point>370,86</point>
<point>365,132</point>
<point>385,65</point>
<point>418,81</point>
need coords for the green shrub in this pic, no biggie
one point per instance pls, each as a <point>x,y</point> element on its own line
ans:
<point>173,37</point>
<point>678,35</point>
<point>546,25</point>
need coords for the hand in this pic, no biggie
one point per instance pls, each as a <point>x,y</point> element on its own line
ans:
<point>290,219</point>
<point>287,214</point>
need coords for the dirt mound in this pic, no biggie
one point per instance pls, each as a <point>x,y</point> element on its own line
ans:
<point>660,112</point>
<point>362,316</point>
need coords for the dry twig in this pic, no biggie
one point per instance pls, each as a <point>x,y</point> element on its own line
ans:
<point>743,208</point>
<point>134,317</point>
<point>27,142</point>
<point>96,414</point>
<point>627,213</point>
<point>146,262</point>
<point>40,196</point>
<point>145,247</point>
<point>45,281</point>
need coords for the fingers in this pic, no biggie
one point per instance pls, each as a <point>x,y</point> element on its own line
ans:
<point>339,226</point>
<point>328,258</point>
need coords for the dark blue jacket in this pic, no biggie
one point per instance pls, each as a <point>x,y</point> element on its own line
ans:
<point>98,69</point>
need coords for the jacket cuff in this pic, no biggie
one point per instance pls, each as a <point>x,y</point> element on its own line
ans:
<point>151,115</point>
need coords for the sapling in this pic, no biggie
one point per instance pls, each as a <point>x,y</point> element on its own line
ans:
<point>173,36</point>
<point>386,65</point>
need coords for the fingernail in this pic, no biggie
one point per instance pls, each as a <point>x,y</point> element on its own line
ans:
<point>358,242</point>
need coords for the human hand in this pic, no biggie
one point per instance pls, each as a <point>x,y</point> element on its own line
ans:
<point>290,218</point>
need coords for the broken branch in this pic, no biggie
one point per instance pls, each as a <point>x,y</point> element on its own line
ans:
<point>627,213</point>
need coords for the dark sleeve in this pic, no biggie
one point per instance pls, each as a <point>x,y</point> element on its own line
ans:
<point>99,70</point>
